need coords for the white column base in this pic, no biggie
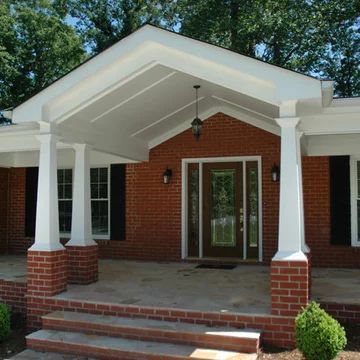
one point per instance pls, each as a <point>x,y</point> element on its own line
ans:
<point>81,242</point>
<point>38,246</point>
<point>290,256</point>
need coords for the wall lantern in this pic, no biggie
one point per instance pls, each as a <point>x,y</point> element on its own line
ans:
<point>275,173</point>
<point>196,124</point>
<point>167,176</point>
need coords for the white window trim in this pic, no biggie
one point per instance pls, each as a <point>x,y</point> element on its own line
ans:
<point>96,237</point>
<point>184,200</point>
<point>353,201</point>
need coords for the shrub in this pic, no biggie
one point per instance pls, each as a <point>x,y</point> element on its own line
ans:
<point>4,321</point>
<point>318,335</point>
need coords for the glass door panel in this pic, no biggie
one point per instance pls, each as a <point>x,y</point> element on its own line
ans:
<point>252,209</point>
<point>223,207</point>
<point>193,210</point>
<point>222,210</point>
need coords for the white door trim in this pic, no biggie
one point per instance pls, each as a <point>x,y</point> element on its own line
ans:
<point>184,199</point>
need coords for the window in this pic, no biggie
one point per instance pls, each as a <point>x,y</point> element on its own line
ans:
<point>99,182</point>
<point>65,199</point>
<point>355,200</point>
<point>99,187</point>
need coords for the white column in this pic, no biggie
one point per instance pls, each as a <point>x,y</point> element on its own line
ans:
<point>81,233</point>
<point>291,218</point>
<point>47,211</point>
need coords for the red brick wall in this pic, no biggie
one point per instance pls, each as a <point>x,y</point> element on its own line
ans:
<point>154,209</point>
<point>17,242</point>
<point>316,183</point>
<point>13,294</point>
<point>4,184</point>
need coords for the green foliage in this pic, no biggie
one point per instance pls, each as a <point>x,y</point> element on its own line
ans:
<point>41,40</point>
<point>103,22</point>
<point>4,321</point>
<point>318,335</point>
<point>316,37</point>
<point>37,46</point>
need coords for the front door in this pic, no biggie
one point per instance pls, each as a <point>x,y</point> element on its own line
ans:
<point>223,210</point>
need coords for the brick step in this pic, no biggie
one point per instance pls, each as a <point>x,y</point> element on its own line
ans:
<point>231,339</point>
<point>111,348</point>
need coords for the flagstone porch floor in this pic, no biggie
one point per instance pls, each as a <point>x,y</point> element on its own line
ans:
<point>180,285</point>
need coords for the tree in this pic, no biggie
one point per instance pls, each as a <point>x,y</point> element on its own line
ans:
<point>38,48</point>
<point>103,22</point>
<point>315,37</point>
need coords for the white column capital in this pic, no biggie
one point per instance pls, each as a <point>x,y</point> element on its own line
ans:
<point>47,138</point>
<point>81,146</point>
<point>287,122</point>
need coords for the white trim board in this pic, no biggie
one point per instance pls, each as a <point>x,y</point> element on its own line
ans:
<point>184,202</point>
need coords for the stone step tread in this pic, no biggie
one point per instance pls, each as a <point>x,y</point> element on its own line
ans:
<point>66,338</point>
<point>29,354</point>
<point>153,324</point>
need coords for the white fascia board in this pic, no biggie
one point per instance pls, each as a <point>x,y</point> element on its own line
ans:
<point>6,160</point>
<point>151,45</point>
<point>337,123</point>
<point>331,145</point>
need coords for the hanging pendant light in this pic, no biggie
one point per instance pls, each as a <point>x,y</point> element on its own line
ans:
<point>196,124</point>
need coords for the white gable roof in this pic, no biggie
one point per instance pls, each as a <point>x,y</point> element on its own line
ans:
<point>139,92</point>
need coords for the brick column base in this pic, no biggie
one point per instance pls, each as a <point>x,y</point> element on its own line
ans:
<point>289,287</point>
<point>46,272</point>
<point>83,264</point>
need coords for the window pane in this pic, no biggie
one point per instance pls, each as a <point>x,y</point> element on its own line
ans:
<point>68,176</point>
<point>103,191</point>
<point>60,176</point>
<point>65,210</point>
<point>94,191</point>
<point>94,175</point>
<point>99,211</point>
<point>68,191</point>
<point>103,175</point>
<point>60,191</point>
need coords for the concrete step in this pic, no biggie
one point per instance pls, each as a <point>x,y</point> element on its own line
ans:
<point>231,339</point>
<point>44,355</point>
<point>111,348</point>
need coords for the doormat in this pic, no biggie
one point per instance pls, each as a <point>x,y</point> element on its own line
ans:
<point>216,266</point>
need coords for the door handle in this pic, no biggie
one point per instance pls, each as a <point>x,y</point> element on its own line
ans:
<point>241,218</point>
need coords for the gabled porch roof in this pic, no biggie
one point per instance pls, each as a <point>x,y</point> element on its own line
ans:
<point>139,92</point>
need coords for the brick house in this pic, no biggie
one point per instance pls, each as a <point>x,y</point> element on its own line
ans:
<point>272,179</point>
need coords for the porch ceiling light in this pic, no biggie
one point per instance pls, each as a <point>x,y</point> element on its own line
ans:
<point>275,173</point>
<point>196,124</point>
<point>167,176</point>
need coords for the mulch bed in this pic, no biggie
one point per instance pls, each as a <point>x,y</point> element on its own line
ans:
<point>16,341</point>
<point>352,350</point>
